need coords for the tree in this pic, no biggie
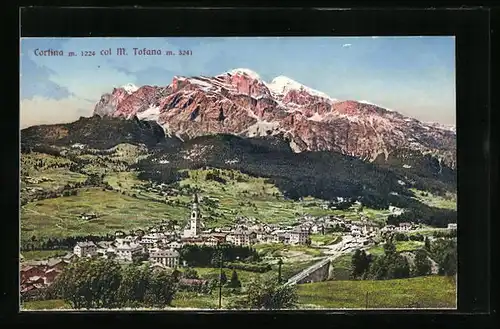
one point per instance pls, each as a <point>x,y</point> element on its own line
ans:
<point>427,244</point>
<point>235,282</point>
<point>176,275</point>
<point>399,268</point>
<point>378,269</point>
<point>359,263</point>
<point>190,273</point>
<point>444,252</point>
<point>134,284</point>
<point>223,278</point>
<point>161,289</point>
<point>449,264</point>
<point>389,248</point>
<point>90,283</point>
<point>422,263</point>
<point>268,294</point>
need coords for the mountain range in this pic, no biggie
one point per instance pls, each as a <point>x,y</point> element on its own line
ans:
<point>302,141</point>
<point>239,102</point>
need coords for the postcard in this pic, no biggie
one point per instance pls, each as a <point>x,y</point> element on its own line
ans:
<point>274,173</point>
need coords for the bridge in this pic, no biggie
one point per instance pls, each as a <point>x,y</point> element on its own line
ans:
<point>320,271</point>
<point>317,272</point>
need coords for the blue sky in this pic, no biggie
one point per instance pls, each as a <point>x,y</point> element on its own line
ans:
<point>412,75</point>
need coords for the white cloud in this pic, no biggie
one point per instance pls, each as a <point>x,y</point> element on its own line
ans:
<point>346,45</point>
<point>41,110</point>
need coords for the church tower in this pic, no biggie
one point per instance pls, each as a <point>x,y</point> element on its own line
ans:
<point>195,217</point>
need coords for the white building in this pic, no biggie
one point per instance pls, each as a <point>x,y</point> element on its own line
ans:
<point>195,225</point>
<point>83,249</point>
<point>298,236</point>
<point>211,241</point>
<point>369,228</point>
<point>148,243</point>
<point>388,228</point>
<point>169,258</point>
<point>128,251</point>
<point>355,230</point>
<point>175,245</point>
<point>241,237</point>
<point>317,228</point>
<point>396,210</point>
<point>452,226</point>
<point>261,236</point>
<point>404,227</point>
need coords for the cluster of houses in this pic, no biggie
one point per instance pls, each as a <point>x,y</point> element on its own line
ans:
<point>40,274</point>
<point>339,223</point>
<point>162,245</point>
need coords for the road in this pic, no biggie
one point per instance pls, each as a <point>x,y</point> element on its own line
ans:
<point>347,245</point>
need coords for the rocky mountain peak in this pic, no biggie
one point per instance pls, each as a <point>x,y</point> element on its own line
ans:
<point>239,102</point>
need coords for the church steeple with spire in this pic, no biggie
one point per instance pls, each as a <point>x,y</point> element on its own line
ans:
<point>195,217</point>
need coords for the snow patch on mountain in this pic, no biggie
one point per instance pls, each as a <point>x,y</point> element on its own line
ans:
<point>151,114</point>
<point>447,127</point>
<point>250,73</point>
<point>316,117</point>
<point>204,85</point>
<point>130,88</point>
<point>261,128</point>
<point>281,85</point>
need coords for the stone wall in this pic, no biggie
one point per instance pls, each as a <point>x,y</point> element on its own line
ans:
<point>321,274</point>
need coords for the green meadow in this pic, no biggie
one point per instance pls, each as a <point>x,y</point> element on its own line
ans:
<point>426,292</point>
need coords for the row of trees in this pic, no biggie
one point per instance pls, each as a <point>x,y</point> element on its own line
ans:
<point>390,265</point>
<point>234,282</point>
<point>200,256</point>
<point>399,236</point>
<point>101,283</point>
<point>66,243</point>
<point>267,294</point>
<point>393,265</point>
<point>431,216</point>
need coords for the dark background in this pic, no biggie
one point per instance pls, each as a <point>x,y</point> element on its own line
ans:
<point>477,164</point>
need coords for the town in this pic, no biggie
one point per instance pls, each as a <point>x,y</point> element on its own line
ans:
<point>160,244</point>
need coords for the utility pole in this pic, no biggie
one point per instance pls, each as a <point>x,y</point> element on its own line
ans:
<point>366,300</point>
<point>220,280</point>
<point>280,262</point>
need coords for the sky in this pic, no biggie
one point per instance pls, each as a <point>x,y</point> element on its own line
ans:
<point>411,75</point>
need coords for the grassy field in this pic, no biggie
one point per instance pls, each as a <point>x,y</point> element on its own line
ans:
<point>213,273</point>
<point>59,217</point>
<point>428,292</point>
<point>194,300</point>
<point>450,202</point>
<point>244,195</point>
<point>327,239</point>
<point>341,267</point>
<point>43,254</point>
<point>280,249</point>
<point>401,246</point>
<point>241,195</point>
<point>45,305</point>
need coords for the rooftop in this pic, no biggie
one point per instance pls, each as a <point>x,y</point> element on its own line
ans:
<point>164,253</point>
<point>131,246</point>
<point>86,244</point>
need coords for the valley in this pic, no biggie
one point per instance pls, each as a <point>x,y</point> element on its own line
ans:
<point>270,183</point>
